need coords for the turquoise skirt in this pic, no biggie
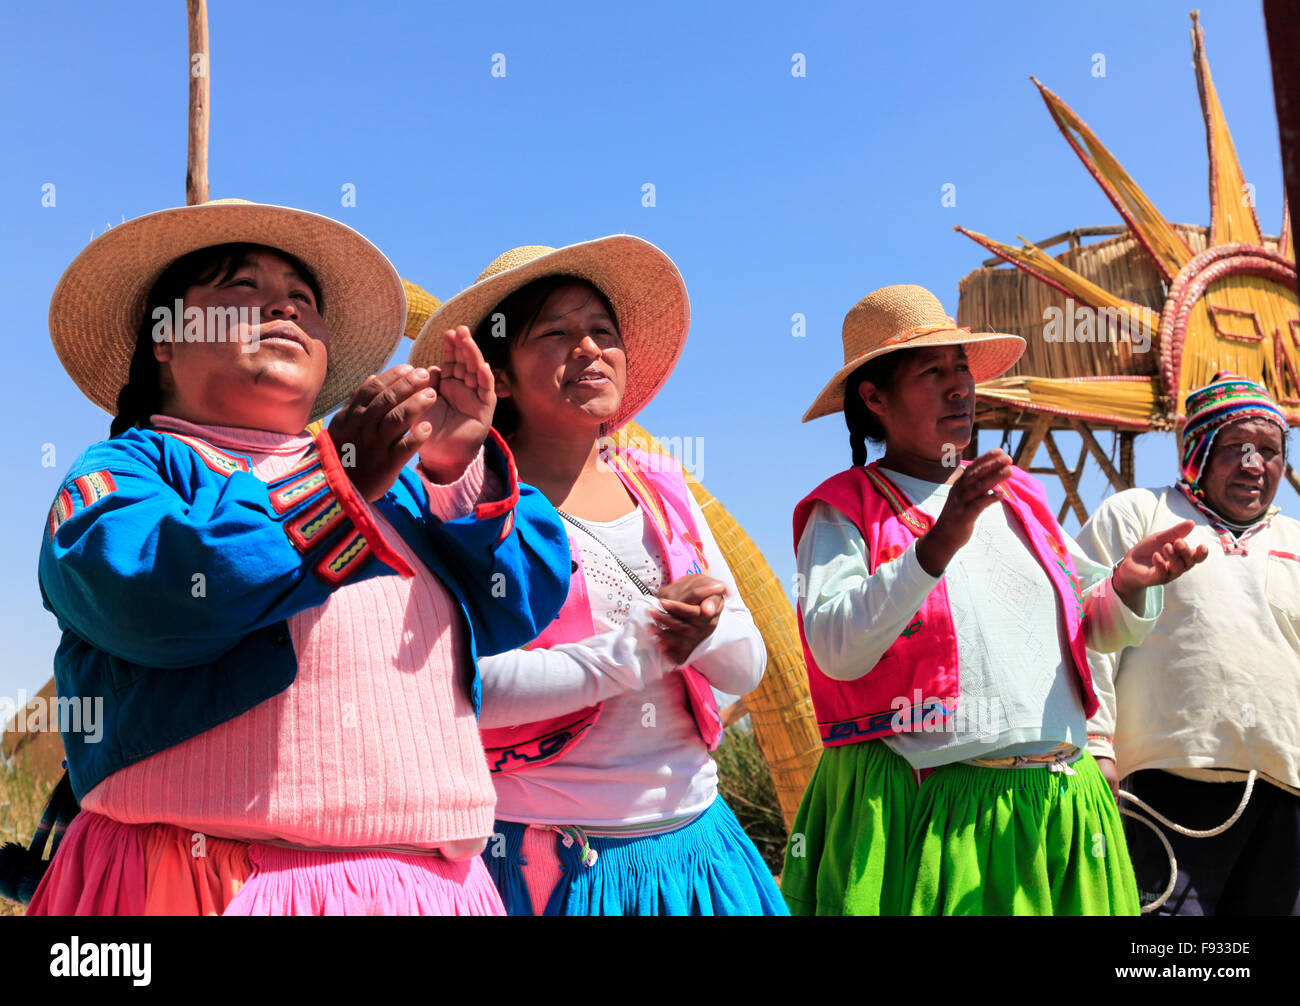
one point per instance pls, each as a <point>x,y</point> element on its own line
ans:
<point>706,867</point>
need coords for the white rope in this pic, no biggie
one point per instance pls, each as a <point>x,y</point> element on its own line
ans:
<point>1189,832</point>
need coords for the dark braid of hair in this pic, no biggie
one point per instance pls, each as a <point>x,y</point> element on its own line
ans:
<point>141,396</point>
<point>861,421</point>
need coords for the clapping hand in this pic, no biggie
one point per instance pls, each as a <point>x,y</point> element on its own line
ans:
<point>692,606</point>
<point>379,430</point>
<point>460,414</point>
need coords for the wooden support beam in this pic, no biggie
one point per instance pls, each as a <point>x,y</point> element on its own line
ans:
<point>1024,456</point>
<point>1126,458</point>
<point>1293,478</point>
<point>196,165</point>
<point>1069,479</point>
<point>1072,236</point>
<point>1090,443</point>
<point>733,712</point>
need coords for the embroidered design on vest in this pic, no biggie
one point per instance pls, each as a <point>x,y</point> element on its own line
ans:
<point>891,553</point>
<point>642,489</point>
<point>218,461</point>
<point>309,461</point>
<point>697,545</point>
<point>94,487</point>
<point>315,524</point>
<point>344,559</point>
<point>289,494</point>
<point>893,720</point>
<point>912,629</point>
<point>1283,555</point>
<point>916,522</point>
<point>60,511</point>
<point>1074,584</point>
<point>538,750</point>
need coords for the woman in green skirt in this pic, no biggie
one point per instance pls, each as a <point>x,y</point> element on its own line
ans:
<point>945,616</point>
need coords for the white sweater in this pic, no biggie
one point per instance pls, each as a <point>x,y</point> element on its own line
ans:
<point>1214,690</point>
<point>643,763</point>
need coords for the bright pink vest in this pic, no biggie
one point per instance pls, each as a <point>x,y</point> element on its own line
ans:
<point>657,484</point>
<point>917,679</point>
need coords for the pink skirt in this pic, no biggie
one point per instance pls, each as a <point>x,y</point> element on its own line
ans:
<point>298,882</point>
<point>104,867</point>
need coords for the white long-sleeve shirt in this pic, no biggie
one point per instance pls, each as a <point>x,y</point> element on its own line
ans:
<point>643,762</point>
<point>1214,690</point>
<point>1018,692</point>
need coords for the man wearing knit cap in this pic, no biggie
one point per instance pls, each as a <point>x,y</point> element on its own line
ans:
<point>1213,692</point>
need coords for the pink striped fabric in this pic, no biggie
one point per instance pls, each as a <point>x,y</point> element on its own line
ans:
<point>297,882</point>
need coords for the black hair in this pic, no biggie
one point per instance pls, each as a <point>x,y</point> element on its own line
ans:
<point>141,396</point>
<point>506,323</point>
<point>861,421</point>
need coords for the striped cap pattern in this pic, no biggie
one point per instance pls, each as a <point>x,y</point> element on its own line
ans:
<point>1226,399</point>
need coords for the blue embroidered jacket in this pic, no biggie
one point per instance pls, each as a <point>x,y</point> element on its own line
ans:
<point>173,569</point>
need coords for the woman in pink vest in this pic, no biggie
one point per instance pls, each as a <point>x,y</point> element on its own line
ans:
<point>945,616</point>
<point>598,734</point>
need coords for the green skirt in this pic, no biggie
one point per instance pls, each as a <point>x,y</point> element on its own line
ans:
<point>989,841</point>
<point>848,848</point>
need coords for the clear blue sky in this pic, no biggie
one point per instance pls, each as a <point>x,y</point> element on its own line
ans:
<point>775,195</point>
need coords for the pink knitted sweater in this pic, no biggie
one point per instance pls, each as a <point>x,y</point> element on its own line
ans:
<point>375,743</point>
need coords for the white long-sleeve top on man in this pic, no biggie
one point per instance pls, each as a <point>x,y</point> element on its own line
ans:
<point>1214,690</point>
<point>643,764</point>
<point>1018,692</point>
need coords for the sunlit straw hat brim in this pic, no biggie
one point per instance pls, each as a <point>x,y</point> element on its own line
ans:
<point>99,303</point>
<point>641,282</point>
<point>902,317</point>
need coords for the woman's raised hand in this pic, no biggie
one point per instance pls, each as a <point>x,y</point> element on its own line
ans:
<point>380,429</point>
<point>692,606</point>
<point>1157,559</point>
<point>969,496</point>
<point>461,412</point>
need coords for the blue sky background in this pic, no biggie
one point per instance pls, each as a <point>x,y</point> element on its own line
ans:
<point>775,195</point>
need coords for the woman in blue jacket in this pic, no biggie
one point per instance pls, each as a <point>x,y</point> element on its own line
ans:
<point>282,629</point>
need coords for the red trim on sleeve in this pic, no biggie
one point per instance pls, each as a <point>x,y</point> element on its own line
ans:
<point>355,507</point>
<point>487,511</point>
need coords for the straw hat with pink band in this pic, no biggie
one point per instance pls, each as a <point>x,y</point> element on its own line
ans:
<point>641,283</point>
<point>99,303</point>
<point>908,317</point>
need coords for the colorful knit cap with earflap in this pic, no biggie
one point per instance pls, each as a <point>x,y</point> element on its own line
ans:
<point>1226,399</point>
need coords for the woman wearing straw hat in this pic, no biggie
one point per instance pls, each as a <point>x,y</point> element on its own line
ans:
<point>945,618</point>
<point>266,615</point>
<point>598,733</point>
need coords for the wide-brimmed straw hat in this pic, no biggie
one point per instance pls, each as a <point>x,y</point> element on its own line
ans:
<point>99,303</point>
<point>640,281</point>
<point>906,317</point>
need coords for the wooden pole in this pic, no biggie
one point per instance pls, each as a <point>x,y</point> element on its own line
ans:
<point>1068,479</point>
<point>196,168</point>
<point>1029,441</point>
<point>1293,478</point>
<point>1090,442</point>
<point>1126,458</point>
<point>1282,23</point>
